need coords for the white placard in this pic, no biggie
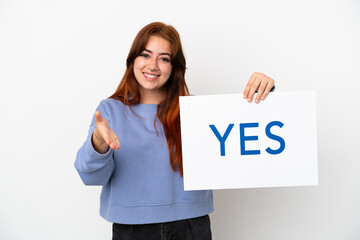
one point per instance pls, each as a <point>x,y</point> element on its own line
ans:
<point>228,142</point>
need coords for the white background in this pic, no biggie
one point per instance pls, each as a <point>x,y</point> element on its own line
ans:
<point>58,59</point>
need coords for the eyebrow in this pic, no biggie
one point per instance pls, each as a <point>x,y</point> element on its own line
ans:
<point>159,54</point>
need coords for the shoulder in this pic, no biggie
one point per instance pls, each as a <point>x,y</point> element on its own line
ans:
<point>111,103</point>
<point>111,106</point>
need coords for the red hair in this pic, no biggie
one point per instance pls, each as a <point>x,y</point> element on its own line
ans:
<point>168,110</point>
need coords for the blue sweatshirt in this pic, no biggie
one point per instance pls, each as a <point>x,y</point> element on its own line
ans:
<point>139,185</point>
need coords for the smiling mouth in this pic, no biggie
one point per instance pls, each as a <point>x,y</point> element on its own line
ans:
<point>150,76</point>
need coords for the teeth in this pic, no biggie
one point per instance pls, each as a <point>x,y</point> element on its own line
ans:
<point>150,76</point>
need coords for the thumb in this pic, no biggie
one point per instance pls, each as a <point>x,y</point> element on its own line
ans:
<point>98,117</point>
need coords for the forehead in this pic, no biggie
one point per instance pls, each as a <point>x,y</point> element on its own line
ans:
<point>158,44</point>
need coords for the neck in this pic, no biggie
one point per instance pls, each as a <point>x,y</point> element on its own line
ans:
<point>151,97</point>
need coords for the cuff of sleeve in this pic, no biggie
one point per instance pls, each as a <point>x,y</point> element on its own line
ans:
<point>92,153</point>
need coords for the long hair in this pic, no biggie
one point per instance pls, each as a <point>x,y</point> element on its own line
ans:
<point>168,110</point>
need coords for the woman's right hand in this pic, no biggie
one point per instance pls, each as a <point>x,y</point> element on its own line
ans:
<point>103,136</point>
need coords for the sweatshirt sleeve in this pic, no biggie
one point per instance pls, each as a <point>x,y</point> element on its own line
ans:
<point>95,168</point>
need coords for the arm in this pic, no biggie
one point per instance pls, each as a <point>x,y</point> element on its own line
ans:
<point>95,159</point>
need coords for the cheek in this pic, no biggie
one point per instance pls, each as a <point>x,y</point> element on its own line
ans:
<point>167,70</point>
<point>137,69</point>
<point>139,64</point>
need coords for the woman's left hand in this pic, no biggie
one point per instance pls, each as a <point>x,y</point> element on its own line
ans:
<point>258,82</point>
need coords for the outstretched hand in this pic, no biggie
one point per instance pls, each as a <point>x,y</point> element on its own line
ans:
<point>258,82</point>
<point>104,137</point>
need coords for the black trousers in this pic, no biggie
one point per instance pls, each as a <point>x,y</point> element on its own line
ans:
<point>187,229</point>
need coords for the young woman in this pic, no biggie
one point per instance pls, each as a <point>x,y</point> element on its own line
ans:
<point>133,148</point>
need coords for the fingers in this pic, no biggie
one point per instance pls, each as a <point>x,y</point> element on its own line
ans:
<point>258,82</point>
<point>115,144</point>
<point>248,86</point>
<point>260,91</point>
<point>112,140</point>
<point>267,90</point>
<point>253,89</point>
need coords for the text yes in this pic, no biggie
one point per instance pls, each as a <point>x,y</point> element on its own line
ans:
<point>244,138</point>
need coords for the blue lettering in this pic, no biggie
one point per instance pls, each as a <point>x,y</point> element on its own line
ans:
<point>275,137</point>
<point>222,139</point>
<point>244,138</point>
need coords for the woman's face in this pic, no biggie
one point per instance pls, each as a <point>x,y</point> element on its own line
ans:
<point>153,67</point>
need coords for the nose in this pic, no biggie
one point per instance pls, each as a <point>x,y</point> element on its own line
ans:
<point>153,65</point>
